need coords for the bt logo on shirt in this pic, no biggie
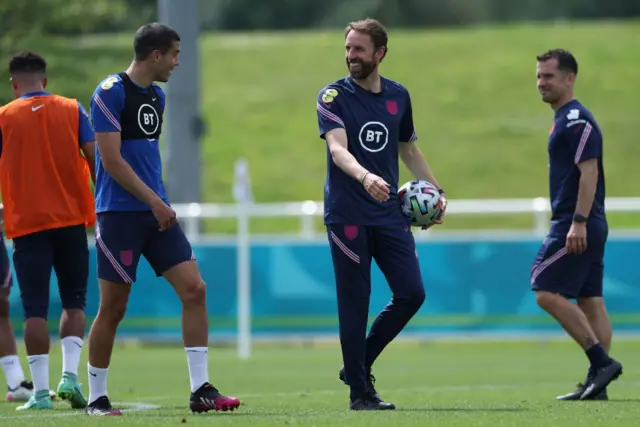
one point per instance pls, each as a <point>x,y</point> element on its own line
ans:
<point>148,119</point>
<point>373,136</point>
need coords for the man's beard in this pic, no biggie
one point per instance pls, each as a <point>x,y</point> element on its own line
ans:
<point>365,70</point>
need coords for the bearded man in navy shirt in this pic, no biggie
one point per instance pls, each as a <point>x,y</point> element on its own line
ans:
<point>570,263</point>
<point>367,122</point>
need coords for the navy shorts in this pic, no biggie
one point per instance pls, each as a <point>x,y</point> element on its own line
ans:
<point>6,277</point>
<point>121,237</point>
<point>571,275</point>
<point>34,255</point>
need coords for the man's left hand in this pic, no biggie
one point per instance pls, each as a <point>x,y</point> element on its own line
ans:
<point>440,218</point>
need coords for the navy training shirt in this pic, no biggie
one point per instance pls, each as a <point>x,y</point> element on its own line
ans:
<point>574,138</point>
<point>138,118</point>
<point>376,123</point>
<point>85,131</point>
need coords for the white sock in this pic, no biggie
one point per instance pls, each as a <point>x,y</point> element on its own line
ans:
<point>97,382</point>
<point>12,370</point>
<point>197,358</point>
<point>39,366</point>
<point>71,350</point>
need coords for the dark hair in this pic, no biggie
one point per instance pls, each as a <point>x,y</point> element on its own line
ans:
<point>27,63</point>
<point>153,36</point>
<point>566,61</point>
<point>374,28</point>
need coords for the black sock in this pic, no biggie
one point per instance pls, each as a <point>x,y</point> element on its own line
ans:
<point>597,356</point>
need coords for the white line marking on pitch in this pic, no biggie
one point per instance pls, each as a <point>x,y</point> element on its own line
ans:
<point>140,406</point>
<point>125,407</point>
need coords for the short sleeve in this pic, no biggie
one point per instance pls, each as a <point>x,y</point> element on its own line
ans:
<point>585,140</point>
<point>106,104</point>
<point>85,131</point>
<point>329,111</point>
<point>407,130</point>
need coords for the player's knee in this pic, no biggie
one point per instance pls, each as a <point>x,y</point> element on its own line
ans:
<point>36,311</point>
<point>73,300</point>
<point>414,298</point>
<point>418,296</point>
<point>113,310</point>
<point>546,300</point>
<point>35,302</point>
<point>194,292</point>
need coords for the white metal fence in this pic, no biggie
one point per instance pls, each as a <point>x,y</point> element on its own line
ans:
<point>306,211</point>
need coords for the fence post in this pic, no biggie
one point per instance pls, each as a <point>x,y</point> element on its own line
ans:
<point>308,211</point>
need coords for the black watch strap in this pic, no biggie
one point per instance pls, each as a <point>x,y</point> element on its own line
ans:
<point>579,218</point>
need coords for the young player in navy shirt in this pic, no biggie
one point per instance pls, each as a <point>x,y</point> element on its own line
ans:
<point>570,263</point>
<point>367,123</point>
<point>135,218</point>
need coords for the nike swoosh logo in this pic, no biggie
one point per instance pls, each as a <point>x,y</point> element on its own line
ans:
<point>153,99</point>
<point>37,108</point>
<point>92,374</point>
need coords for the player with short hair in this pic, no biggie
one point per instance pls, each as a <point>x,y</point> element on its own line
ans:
<point>46,162</point>
<point>367,122</point>
<point>135,218</point>
<point>570,263</point>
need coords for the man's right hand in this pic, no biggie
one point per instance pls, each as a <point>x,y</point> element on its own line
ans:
<point>165,215</point>
<point>377,187</point>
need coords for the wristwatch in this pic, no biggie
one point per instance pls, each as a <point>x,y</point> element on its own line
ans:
<point>579,218</point>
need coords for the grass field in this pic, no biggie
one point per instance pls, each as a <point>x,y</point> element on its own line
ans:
<point>447,384</point>
<point>479,117</point>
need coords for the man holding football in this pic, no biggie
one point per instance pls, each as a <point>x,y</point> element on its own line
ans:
<point>367,123</point>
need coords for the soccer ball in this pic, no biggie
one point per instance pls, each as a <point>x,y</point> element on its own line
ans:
<point>420,201</point>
